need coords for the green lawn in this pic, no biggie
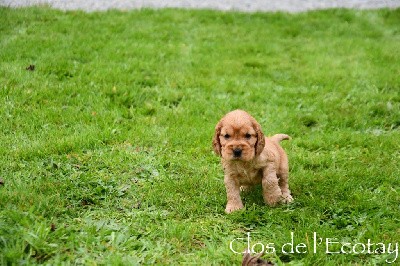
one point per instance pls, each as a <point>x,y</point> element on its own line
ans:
<point>106,150</point>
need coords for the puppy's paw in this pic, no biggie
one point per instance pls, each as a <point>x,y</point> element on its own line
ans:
<point>272,200</point>
<point>231,207</point>
<point>286,198</point>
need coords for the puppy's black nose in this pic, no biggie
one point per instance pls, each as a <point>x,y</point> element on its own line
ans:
<point>237,152</point>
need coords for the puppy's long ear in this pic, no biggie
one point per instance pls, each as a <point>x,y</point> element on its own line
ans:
<point>215,142</point>
<point>260,138</point>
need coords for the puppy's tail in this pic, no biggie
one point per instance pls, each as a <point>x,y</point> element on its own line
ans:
<point>279,137</point>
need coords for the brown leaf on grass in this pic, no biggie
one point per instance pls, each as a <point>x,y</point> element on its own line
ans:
<point>30,68</point>
<point>52,227</point>
<point>137,205</point>
<point>256,260</point>
<point>198,243</point>
<point>87,202</point>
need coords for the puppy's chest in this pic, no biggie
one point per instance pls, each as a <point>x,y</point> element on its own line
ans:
<point>246,175</point>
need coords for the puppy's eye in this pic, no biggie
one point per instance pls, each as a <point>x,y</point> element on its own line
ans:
<point>247,136</point>
<point>227,136</point>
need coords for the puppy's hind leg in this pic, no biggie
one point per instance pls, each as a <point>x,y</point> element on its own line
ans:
<point>284,185</point>
<point>283,178</point>
<point>271,191</point>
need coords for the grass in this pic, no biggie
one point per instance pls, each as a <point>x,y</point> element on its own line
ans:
<point>106,145</point>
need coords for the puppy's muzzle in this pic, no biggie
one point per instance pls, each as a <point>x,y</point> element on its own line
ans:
<point>237,152</point>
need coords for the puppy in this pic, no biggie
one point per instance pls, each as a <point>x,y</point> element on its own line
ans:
<point>249,158</point>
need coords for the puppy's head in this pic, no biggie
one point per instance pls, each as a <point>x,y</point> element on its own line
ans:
<point>238,136</point>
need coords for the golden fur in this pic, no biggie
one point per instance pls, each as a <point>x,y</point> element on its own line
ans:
<point>250,158</point>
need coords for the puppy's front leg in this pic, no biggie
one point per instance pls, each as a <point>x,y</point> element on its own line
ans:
<point>271,191</point>
<point>233,194</point>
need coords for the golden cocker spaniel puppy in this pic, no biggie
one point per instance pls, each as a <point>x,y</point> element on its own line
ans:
<point>250,158</point>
